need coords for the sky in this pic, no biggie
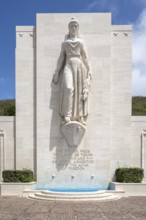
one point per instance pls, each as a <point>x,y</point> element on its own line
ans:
<point>23,12</point>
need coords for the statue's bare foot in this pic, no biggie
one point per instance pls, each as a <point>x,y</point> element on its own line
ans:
<point>67,119</point>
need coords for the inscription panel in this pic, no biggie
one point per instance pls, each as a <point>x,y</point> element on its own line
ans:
<point>80,160</point>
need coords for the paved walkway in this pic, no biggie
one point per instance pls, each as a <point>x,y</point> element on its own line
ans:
<point>16,208</point>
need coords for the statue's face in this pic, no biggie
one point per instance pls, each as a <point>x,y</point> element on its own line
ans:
<point>73,28</point>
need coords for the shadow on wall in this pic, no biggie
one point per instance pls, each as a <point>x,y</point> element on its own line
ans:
<point>63,153</point>
<point>113,178</point>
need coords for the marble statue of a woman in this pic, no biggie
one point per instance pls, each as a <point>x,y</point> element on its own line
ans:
<point>76,77</point>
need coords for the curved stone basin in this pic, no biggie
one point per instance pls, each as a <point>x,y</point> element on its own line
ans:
<point>100,195</point>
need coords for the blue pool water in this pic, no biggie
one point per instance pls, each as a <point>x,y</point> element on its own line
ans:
<point>72,190</point>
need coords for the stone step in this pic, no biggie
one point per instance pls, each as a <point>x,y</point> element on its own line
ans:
<point>111,198</point>
<point>74,197</point>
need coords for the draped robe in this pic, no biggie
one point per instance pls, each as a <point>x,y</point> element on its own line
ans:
<point>75,74</point>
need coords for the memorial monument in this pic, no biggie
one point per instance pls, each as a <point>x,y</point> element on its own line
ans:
<point>63,157</point>
<point>73,132</point>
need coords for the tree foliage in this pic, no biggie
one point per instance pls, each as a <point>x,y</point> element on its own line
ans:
<point>138,105</point>
<point>7,107</point>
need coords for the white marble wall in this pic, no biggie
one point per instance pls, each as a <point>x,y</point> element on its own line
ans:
<point>139,142</point>
<point>121,79</point>
<point>65,171</point>
<point>25,97</point>
<point>7,143</point>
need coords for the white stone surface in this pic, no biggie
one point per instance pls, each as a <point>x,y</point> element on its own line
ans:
<point>73,133</point>
<point>131,189</point>
<point>7,143</point>
<point>7,189</point>
<point>75,197</point>
<point>121,79</point>
<point>74,66</point>
<point>93,154</point>
<point>139,142</point>
<point>25,98</point>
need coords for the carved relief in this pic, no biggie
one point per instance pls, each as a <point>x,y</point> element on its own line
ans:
<point>21,35</point>
<point>31,34</point>
<point>120,33</point>
<point>24,35</point>
<point>74,63</point>
<point>73,133</point>
<point>115,34</point>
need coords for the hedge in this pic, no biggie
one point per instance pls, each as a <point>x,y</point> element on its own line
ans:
<point>18,176</point>
<point>129,175</point>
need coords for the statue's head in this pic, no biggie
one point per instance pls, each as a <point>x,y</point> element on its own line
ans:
<point>73,27</point>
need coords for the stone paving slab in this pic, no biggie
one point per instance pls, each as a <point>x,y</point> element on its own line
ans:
<point>17,208</point>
